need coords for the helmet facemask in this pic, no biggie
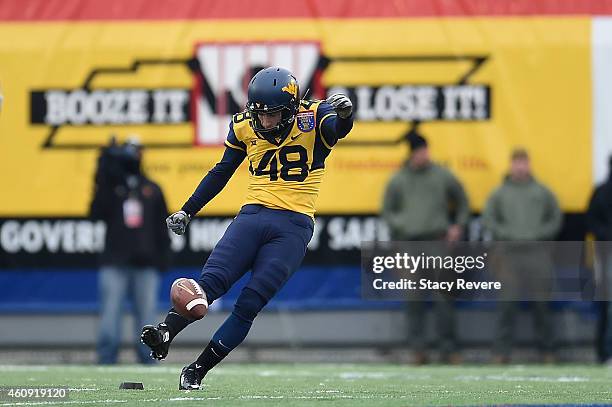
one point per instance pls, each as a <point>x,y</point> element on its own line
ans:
<point>286,121</point>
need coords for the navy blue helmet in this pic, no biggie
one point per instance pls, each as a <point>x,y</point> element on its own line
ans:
<point>273,90</point>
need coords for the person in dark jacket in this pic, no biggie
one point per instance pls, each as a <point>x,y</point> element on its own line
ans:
<point>136,246</point>
<point>426,202</point>
<point>599,221</point>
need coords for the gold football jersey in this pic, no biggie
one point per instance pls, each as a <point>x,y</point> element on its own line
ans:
<point>286,176</point>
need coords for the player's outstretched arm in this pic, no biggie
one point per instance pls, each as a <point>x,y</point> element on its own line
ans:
<point>209,187</point>
<point>335,117</point>
<point>341,104</point>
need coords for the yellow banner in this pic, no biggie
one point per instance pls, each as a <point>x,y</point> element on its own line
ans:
<point>478,86</point>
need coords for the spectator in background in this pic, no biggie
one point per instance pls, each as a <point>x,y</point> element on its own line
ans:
<point>599,221</point>
<point>522,209</point>
<point>136,247</point>
<point>423,202</point>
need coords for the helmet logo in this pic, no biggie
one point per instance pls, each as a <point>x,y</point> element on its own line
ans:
<point>291,88</point>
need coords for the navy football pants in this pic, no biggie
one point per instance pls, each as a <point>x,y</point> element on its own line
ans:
<point>269,242</point>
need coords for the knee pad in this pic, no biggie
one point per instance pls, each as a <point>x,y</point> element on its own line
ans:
<point>249,304</point>
<point>270,277</point>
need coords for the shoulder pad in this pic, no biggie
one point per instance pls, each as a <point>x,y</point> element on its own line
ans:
<point>309,104</point>
<point>240,117</point>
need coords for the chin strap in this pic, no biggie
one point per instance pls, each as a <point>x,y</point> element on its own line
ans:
<point>276,140</point>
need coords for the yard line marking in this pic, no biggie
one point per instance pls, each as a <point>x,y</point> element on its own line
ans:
<point>505,378</point>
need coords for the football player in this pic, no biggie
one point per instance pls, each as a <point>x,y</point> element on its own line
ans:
<point>286,141</point>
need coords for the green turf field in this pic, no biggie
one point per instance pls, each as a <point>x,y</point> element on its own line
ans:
<point>321,384</point>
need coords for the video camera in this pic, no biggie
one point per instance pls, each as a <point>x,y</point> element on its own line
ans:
<point>117,161</point>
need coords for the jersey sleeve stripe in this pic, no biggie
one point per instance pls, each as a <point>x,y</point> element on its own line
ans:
<point>227,143</point>
<point>321,133</point>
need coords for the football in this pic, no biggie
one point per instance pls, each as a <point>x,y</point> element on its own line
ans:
<point>188,298</point>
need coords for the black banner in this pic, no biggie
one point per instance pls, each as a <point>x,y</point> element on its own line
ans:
<point>76,242</point>
<point>420,102</point>
<point>78,107</point>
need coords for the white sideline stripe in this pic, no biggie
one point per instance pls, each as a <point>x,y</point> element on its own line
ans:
<point>194,398</point>
<point>340,396</point>
<point>114,401</point>
<point>179,399</point>
<point>23,368</point>
<point>51,403</point>
<point>506,378</point>
<point>197,301</point>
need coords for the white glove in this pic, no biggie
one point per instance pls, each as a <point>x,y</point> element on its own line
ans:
<point>178,221</point>
<point>341,104</point>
